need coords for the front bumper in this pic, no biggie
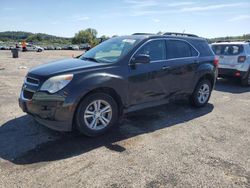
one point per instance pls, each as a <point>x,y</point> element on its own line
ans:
<point>232,73</point>
<point>49,110</point>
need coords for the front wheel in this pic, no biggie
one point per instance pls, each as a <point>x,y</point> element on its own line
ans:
<point>96,114</point>
<point>201,93</point>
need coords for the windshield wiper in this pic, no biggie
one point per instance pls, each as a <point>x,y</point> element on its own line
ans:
<point>90,59</point>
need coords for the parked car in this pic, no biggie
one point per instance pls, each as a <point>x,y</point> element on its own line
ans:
<point>118,76</point>
<point>85,46</point>
<point>4,48</point>
<point>73,47</point>
<point>66,47</point>
<point>234,60</point>
<point>30,47</point>
<point>50,47</point>
<point>58,48</point>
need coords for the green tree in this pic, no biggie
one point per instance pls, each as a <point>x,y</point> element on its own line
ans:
<point>160,33</point>
<point>103,38</point>
<point>34,38</point>
<point>86,36</point>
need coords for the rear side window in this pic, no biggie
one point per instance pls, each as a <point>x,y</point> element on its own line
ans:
<point>156,50</point>
<point>203,48</point>
<point>227,49</point>
<point>179,49</point>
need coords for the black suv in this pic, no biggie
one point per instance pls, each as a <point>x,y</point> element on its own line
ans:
<point>120,75</point>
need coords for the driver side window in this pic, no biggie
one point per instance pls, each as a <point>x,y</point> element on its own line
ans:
<point>156,50</point>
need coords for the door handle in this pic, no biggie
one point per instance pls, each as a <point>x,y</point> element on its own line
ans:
<point>165,68</point>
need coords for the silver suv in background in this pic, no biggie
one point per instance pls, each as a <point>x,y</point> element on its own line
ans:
<point>234,60</point>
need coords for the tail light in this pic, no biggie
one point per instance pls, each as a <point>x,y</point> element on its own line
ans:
<point>216,62</point>
<point>241,59</point>
<point>237,74</point>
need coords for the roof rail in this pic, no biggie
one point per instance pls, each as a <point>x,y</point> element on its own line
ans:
<point>180,34</point>
<point>143,34</point>
<point>219,41</point>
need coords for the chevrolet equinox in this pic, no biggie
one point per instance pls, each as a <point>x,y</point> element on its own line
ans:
<point>123,74</point>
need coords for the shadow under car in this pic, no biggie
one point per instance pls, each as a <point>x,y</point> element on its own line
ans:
<point>230,85</point>
<point>23,141</point>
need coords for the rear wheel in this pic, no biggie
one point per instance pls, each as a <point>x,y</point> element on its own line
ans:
<point>96,114</point>
<point>246,80</point>
<point>201,94</point>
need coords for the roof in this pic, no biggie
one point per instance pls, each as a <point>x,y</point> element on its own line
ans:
<point>148,35</point>
<point>226,43</point>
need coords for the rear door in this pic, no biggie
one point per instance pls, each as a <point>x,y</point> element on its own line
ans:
<point>182,61</point>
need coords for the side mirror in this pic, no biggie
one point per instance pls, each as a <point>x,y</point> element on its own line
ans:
<point>142,58</point>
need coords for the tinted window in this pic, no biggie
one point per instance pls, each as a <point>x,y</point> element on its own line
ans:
<point>179,49</point>
<point>227,49</point>
<point>194,52</point>
<point>203,48</point>
<point>156,50</point>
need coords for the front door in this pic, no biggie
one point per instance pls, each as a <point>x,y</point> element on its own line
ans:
<point>148,82</point>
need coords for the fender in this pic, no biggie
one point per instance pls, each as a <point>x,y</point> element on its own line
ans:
<point>205,69</point>
<point>92,81</point>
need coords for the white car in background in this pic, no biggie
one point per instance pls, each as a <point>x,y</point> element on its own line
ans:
<point>234,60</point>
<point>30,47</point>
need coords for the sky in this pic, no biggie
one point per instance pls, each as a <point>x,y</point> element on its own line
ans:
<point>206,18</point>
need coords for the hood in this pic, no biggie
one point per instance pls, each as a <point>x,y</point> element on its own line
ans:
<point>63,66</point>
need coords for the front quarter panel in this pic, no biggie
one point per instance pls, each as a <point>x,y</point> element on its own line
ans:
<point>113,78</point>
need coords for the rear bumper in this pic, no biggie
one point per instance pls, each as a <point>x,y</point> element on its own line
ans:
<point>49,110</point>
<point>223,72</point>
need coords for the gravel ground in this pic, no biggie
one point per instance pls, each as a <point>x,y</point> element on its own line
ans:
<point>173,145</point>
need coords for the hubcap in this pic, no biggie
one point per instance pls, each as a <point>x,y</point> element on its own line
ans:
<point>203,93</point>
<point>98,114</point>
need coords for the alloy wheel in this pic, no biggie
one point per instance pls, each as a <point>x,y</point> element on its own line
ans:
<point>98,114</point>
<point>203,93</point>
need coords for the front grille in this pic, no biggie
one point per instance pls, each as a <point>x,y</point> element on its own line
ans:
<point>33,81</point>
<point>28,94</point>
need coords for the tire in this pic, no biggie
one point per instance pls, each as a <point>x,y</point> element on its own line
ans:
<point>196,98</point>
<point>39,50</point>
<point>246,81</point>
<point>89,118</point>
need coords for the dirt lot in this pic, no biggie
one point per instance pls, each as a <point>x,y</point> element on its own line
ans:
<point>167,146</point>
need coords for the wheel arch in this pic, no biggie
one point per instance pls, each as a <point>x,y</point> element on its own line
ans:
<point>107,90</point>
<point>206,75</point>
<point>209,77</point>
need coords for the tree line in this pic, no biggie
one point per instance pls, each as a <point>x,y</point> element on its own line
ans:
<point>83,36</point>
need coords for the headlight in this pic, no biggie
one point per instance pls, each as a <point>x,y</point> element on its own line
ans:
<point>56,83</point>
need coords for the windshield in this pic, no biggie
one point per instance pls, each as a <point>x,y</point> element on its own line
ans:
<point>111,50</point>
